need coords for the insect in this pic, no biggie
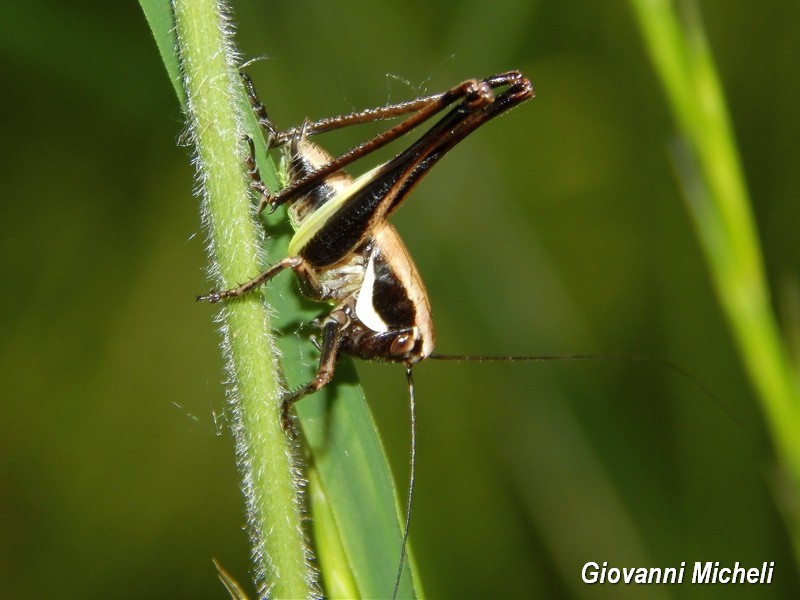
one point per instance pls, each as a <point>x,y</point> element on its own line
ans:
<point>344,251</point>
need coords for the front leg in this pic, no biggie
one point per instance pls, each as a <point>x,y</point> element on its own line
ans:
<point>290,262</point>
<point>261,112</point>
<point>256,183</point>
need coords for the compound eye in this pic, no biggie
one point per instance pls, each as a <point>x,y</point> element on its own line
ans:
<point>402,344</point>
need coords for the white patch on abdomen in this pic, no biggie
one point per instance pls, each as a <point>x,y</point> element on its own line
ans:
<point>365,310</point>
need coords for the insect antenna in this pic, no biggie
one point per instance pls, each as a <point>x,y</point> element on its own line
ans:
<point>661,362</point>
<point>411,477</point>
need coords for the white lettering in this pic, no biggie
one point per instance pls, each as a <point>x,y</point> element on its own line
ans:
<point>589,576</point>
<point>670,572</point>
<point>738,571</point>
<point>702,574</point>
<point>627,574</point>
<point>709,572</point>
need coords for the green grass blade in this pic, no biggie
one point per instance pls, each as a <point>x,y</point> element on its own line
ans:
<point>357,523</point>
<point>718,202</point>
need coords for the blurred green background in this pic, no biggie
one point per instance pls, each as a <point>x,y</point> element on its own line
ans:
<point>557,229</point>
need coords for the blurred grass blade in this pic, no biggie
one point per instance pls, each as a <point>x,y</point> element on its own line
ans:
<point>717,198</point>
<point>231,585</point>
<point>359,529</point>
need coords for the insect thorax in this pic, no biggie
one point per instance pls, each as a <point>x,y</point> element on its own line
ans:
<point>375,288</point>
<point>302,158</point>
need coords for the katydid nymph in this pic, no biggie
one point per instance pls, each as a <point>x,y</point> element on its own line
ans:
<point>345,252</point>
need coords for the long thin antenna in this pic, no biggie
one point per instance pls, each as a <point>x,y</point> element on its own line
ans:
<point>413,468</point>
<point>662,362</point>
